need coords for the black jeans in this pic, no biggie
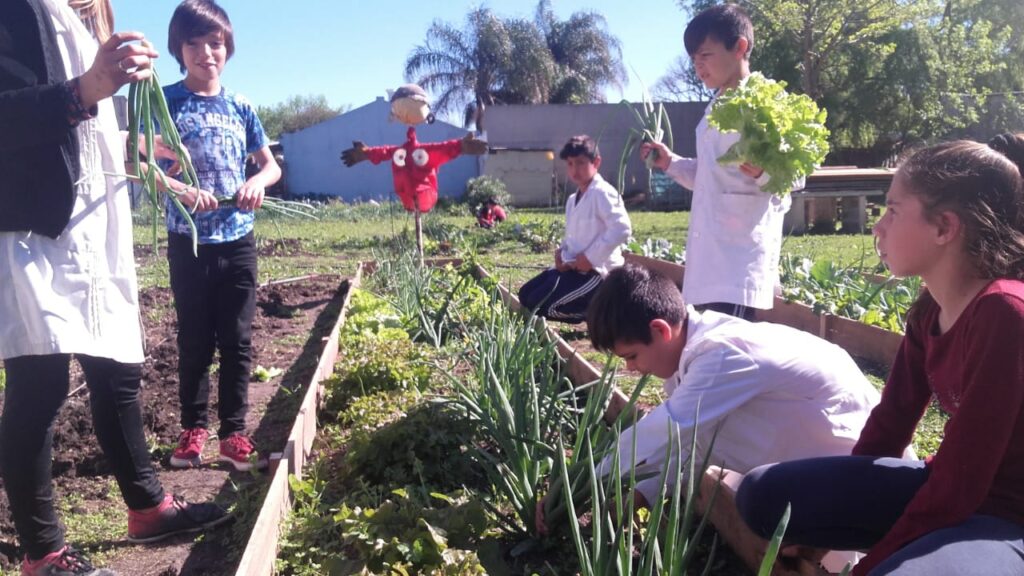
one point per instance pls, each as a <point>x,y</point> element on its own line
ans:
<point>37,387</point>
<point>215,298</point>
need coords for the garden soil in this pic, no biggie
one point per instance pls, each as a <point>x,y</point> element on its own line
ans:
<point>292,318</point>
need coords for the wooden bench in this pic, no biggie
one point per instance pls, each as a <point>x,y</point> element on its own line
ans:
<point>833,189</point>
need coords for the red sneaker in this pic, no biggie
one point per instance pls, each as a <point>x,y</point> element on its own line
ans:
<point>238,451</point>
<point>65,562</point>
<point>173,516</point>
<point>189,452</point>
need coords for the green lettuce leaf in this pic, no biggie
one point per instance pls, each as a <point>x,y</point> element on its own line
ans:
<point>783,133</point>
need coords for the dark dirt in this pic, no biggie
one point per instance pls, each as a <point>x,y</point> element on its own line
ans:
<point>291,320</point>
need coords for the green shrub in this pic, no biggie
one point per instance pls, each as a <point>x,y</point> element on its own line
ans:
<point>479,189</point>
<point>426,447</point>
<point>406,536</point>
<point>372,363</point>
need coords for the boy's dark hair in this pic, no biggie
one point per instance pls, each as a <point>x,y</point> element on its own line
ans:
<point>726,23</point>
<point>581,145</point>
<point>195,18</point>
<point>627,301</point>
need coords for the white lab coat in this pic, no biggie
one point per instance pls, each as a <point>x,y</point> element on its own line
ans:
<point>596,227</point>
<point>732,248</point>
<point>774,393</point>
<point>76,294</point>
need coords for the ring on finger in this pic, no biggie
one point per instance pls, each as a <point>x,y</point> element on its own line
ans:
<point>121,65</point>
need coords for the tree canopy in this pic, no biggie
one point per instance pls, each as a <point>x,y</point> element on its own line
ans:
<point>494,60</point>
<point>296,113</point>
<point>890,72</point>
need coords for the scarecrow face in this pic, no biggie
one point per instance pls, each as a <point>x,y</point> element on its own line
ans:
<point>410,110</point>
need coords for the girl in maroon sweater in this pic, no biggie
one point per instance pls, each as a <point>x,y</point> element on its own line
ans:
<point>955,217</point>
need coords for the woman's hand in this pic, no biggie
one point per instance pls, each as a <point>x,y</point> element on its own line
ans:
<point>121,59</point>
<point>163,152</point>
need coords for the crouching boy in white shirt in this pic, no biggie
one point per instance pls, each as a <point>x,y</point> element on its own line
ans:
<point>596,224</point>
<point>772,393</point>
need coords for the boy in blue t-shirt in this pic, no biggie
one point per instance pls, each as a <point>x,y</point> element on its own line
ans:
<point>214,293</point>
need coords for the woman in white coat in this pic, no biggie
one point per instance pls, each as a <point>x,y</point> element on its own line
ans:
<point>69,287</point>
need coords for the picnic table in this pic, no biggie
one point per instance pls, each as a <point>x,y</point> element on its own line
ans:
<point>833,192</point>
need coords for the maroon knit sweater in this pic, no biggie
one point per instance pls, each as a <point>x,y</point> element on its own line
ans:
<point>976,372</point>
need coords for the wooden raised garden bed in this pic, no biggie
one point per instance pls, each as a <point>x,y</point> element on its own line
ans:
<point>261,550</point>
<point>860,340</point>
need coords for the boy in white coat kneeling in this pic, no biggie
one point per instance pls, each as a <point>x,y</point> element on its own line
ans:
<point>596,224</point>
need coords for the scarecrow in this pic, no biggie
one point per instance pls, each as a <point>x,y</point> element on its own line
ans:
<point>414,164</point>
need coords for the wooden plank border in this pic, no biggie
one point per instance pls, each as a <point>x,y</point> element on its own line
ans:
<point>261,550</point>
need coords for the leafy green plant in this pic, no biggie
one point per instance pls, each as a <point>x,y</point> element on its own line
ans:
<point>265,374</point>
<point>601,438</point>
<point>657,248</point>
<point>426,446</point>
<point>425,296</point>
<point>782,133</point>
<point>538,235</point>
<point>404,536</point>
<point>515,398</point>
<point>3,379</point>
<point>665,543</point>
<point>845,291</point>
<point>482,188</point>
<point>408,532</point>
<point>370,314</point>
<point>372,363</point>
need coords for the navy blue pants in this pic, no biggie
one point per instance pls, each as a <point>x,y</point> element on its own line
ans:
<point>37,387</point>
<point>851,502</point>
<point>215,298</point>
<point>562,296</point>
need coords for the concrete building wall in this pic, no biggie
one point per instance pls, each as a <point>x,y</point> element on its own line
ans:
<point>527,174</point>
<point>548,126</point>
<point>314,167</point>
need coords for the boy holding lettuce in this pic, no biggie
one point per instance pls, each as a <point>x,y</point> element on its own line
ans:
<point>732,249</point>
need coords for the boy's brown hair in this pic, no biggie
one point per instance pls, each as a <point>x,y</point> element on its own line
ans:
<point>195,18</point>
<point>629,298</point>
<point>726,23</point>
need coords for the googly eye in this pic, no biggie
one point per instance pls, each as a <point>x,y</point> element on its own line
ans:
<point>399,157</point>
<point>420,157</point>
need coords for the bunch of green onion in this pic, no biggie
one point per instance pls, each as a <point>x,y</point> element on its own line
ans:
<point>147,109</point>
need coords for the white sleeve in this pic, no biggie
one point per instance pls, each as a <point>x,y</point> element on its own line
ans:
<point>682,170</point>
<point>720,379</point>
<point>652,440</point>
<point>616,223</point>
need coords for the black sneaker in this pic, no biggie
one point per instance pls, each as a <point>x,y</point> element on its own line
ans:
<point>65,562</point>
<point>173,516</point>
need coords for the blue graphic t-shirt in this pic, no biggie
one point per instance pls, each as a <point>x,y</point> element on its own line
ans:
<point>219,132</point>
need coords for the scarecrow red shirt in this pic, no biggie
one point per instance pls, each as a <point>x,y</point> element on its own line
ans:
<point>414,168</point>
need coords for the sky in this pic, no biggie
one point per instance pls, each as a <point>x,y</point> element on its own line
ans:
<point>352,52</point>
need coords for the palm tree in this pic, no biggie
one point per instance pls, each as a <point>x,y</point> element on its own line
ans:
<point>513,61</point>
<point>490,61</point>
<point>588,57</point>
